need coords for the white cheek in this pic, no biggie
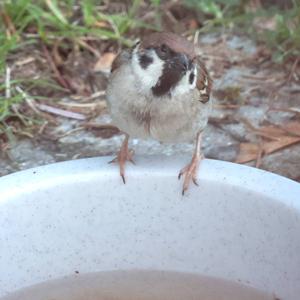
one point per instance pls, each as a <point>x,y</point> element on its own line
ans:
<point>147,78</point>
<point>184,84</point>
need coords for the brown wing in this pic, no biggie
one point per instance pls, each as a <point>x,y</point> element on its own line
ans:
<point>204,81</point>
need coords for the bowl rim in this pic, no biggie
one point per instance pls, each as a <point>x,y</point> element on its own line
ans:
<point>266,183</point>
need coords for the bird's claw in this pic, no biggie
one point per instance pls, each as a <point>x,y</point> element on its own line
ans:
<point>195,181</point>
<point>190,173</point>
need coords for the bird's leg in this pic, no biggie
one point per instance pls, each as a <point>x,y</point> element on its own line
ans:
<point>190,171</point>
<point>123,155</point>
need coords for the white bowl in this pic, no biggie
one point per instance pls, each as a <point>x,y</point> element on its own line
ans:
<point>241,223</point>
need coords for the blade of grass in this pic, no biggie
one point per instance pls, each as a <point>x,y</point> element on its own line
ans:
<point>52,5</point>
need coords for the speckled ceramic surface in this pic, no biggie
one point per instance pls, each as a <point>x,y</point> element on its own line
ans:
<point>241,223</point>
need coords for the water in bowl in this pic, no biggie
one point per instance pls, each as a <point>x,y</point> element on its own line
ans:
<point>139,285</point>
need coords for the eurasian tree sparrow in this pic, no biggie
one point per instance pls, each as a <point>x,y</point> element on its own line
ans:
<point>160,89</point>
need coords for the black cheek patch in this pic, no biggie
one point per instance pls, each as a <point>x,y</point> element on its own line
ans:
<point>145,61</point>
<point>191,78</point>
<point>169,78</point>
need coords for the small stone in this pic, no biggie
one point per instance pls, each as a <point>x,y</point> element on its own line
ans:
<point>27,155</point>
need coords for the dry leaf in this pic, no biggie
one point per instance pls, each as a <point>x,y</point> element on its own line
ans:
<point>281,137</point>
<point>104,62</point>
<point>271,131</point>
<point>193,24</point>
<point>102,24</point>
<point>249,151</point>
<point>280,144</point>
<point>292,127</point>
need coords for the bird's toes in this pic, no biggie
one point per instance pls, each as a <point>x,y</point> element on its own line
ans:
<point>123,178</point>
<point>195,181</point>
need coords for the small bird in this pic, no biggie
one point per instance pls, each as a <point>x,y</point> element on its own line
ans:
<point>160,89</point>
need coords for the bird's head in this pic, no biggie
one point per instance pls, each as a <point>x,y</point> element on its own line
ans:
<point>164,64</point>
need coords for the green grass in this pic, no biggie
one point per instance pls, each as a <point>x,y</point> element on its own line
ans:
<point>52,19</point>
<point>283,40</point>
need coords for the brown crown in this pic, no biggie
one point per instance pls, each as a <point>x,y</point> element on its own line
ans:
<point>172,40</point>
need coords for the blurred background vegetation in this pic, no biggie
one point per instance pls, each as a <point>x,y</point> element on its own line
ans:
<point>26,22</point>
<point>52,32</point>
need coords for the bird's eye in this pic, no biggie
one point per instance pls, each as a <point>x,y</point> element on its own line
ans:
<point>192,78</point>
<point>163,51</point>
<point>164,48</point>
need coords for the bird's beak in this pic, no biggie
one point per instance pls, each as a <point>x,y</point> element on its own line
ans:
<point>184,61</point>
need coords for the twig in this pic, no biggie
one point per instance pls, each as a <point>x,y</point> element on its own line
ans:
<point>253,88</point>
<point>256,77</point>
<point>91,125</point>
<point>196,37</point>
<point>294,110</point>
<point>214,57</point>
<point>7,83</point>
<point>25,61</point>
<point>294,66</point>
<point>262,79</point>
<point>226,106</point>
<point>88,47</point>
<point>260,153</point>
<point>10,27</point>
<point>57,74</point>
<point>71,132</point>
<point>60,112</point>
<point>30,102</point>
<point>267,136</point>
<point>91,105</point>
<point>43,126</point>
<point>14,108</point>
<point>91,97</point>
<point>78,105</point>
<point>291,89</point>
<point>77,155</point>
<point>248,124</point>
<point>27,134</point>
